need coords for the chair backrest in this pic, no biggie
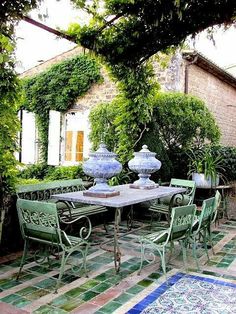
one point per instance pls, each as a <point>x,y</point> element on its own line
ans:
<point>208,207</point>
<point>190,186</point>
<point>181,220</point>
<point>39,222</point>
<point>216,206</point>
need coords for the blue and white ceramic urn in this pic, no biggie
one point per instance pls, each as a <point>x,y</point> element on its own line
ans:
<point>144,163</point>
<point>102,165</point>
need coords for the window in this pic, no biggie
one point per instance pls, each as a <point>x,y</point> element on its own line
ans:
<point>74,146</point>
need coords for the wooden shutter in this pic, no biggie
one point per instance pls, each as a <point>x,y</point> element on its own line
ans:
<point>28,138</point>
<point>68,153</point>
<point>54,138</point>
<point>79,146</point>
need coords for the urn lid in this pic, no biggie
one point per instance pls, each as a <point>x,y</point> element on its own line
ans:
<point>102,151</point>
<point>144,152</point>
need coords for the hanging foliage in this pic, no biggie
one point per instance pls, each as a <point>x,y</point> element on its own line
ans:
<point>10,13</point>
<point>129,31</point>
<point>58,89</point>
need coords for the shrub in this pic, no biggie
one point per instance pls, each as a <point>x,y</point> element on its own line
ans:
<point>179,122</point>
<point>228,155</point>
<point>36,171</point>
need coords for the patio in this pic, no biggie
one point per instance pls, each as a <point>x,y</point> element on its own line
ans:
<point>211,290</point>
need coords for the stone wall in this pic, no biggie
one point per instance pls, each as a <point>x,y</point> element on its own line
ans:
<point>220,98</point>
<point>98,93</point>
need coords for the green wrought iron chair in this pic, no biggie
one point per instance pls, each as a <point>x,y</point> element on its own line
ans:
<point>213,218</point>
<point>39,223</point>
<point>201,228</point>
<point>163,206</point>
<point>180,227</point>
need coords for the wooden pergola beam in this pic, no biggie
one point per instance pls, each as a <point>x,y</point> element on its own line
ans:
<point>48,29</point>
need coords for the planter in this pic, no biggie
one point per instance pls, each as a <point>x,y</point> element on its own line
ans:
<point>204,182</point>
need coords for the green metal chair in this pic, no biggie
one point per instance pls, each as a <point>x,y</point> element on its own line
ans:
<point>39,223</point>
<point>213,218</point>
<point>201,228</point>
<point>180,227</point>
<point>164,205</point>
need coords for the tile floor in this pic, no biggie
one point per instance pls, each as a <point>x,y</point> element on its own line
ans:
<point>211,290</point>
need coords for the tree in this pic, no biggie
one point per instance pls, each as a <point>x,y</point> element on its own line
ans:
<point>178,122</point>
<point>129,32</point>
<point>10,13</point>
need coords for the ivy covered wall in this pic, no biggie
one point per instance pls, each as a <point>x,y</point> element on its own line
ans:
<point>58,89</point>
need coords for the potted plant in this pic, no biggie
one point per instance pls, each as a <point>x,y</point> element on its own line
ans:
<point>205,167</point>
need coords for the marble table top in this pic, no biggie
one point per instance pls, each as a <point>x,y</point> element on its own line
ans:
<point>128,196</point>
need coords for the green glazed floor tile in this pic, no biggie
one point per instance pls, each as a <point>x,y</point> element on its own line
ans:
<point>145,282</point>
<point>27,290</point>
<point>21,302</point>
<point>222,265</point>
<point>27,277</point>
<point>10,284</point>
<point>68,278</point>
<point>123,298</point>
<point>103,277</point>
<point>154,276</point>
<point>135,289</point>
<point>46,283</point>
<point>114,280</point>
<point>10,298</point>
<point>71,304</point>
<point>36,295</point>
<point>110,307</point>
<point>40,270</point>
<point>61,300</point>
<point>102,287</point>
<point>74,293</point>
<point>90,284</point>
<point>88,295</point>
<point>46,309</point>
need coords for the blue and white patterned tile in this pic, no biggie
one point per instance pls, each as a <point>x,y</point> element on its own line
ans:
<point>186,294</point>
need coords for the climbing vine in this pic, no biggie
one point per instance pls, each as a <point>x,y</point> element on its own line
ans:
<point>58,89</point>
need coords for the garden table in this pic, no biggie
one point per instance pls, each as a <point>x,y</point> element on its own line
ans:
<point>128,196</point>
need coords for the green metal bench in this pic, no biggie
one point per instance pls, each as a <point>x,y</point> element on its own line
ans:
<point>68,212</point>
<point>39,223</point>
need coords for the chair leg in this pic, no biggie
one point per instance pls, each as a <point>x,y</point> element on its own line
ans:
<point>141,261</point>
<point>205,243</point>
<point>23,259</point>
<point>62,269</point>
<point>195,253</point>
<point>183,247</point>
<point>210,240</point>
<point>163,262</point>
<point>85,253</point>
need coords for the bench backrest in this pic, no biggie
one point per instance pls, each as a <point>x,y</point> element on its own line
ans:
<point>39,222</point>
<point>43,191</point>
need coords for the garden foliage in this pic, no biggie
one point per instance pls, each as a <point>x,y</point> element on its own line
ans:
<point>177,122</point>
<point>58,89</point>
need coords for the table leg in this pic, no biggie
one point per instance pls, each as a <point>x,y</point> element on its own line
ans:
<point>130,218</point>
<point>117,253</point>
